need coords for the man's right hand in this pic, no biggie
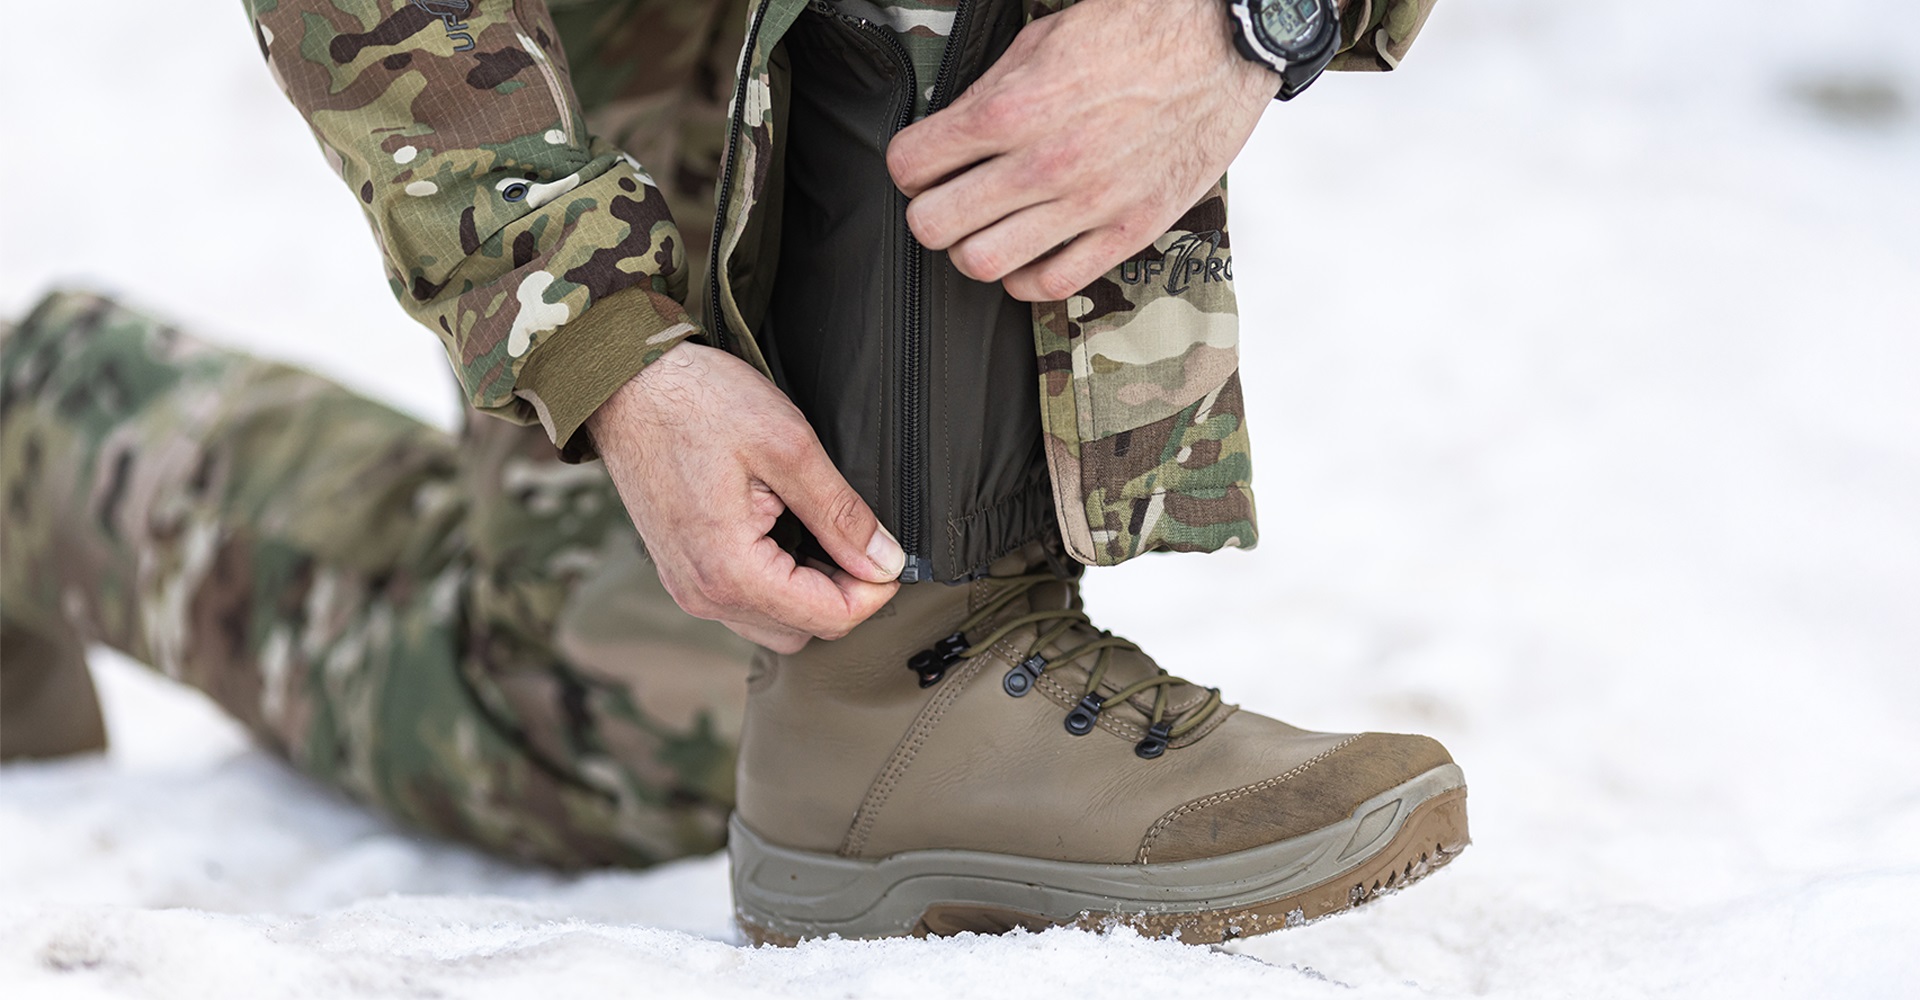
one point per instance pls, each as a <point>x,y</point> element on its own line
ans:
<point>707,454</point>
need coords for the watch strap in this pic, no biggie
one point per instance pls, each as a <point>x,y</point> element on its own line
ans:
<point>1298,76</point>
<point>1295,76</point>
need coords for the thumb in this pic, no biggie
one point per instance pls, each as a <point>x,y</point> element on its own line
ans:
<point>840,520</point>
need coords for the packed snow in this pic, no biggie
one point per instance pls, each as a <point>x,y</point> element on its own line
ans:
<point>1583,358</point>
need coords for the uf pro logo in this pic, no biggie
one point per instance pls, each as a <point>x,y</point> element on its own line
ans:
<point>451,13</point>
<point>1193,257</point>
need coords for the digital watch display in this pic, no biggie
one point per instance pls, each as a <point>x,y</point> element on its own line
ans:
<point>1295,38</point>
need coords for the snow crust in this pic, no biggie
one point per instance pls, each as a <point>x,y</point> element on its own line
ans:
<point>1584,359</point>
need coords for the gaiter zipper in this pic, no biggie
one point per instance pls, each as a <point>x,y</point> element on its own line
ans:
<point>910,429</point>
<point>913,348</point>
<point>909,426</point>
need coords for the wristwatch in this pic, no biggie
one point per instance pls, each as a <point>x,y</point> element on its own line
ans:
<point>1294,38</point>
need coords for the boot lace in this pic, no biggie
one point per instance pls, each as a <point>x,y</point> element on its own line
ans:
<point>1054,624</point>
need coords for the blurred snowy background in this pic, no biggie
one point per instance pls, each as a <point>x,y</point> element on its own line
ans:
<point>1586,381</point>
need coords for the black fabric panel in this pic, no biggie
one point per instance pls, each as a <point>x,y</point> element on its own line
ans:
<point>835,328</point>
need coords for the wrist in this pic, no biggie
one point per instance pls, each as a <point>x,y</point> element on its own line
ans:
<point>1294,39</point>
<point>639,400</point>
<point>1212,27</point>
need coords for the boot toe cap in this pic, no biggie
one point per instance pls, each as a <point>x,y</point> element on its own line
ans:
<point>1316,794</point>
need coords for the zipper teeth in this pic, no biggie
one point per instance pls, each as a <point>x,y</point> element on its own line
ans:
<point>943,77</point>
<point>913,430</point>
<point>913,345</point>
<point>717,323</point>
<point>912,342</point>
<point>912,459</point>
<point>912,329</point>
<point>913,309</point>
<point>554,89</point>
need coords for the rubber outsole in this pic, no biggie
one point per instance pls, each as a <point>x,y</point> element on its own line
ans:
<point>1427,822</point>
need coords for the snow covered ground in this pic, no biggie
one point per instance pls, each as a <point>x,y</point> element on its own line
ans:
<point>1584,362</point>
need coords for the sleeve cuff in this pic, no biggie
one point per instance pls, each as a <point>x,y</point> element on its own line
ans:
<point>567,376</point>
<point>1378,33</point>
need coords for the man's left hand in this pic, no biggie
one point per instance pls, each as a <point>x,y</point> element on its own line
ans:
<point>1100,125</point>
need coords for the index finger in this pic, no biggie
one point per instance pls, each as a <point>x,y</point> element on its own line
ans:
<point>943,144</point>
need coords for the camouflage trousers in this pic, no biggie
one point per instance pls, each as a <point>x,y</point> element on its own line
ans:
<point>460,630</point>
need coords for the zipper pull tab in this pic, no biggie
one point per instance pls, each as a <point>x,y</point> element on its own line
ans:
<point>918,569</point>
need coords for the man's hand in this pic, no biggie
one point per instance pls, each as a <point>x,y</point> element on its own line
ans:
<point>1101,124</point>
<point>707,453</point>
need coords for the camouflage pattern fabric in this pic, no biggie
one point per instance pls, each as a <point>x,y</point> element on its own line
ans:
<point>502,220</point>
<point>548,260</point>
<point>654,77</point>
<point>1145,429</point>
<point>461,632</point>
<point>922,26</point>
<point>1378,33</point>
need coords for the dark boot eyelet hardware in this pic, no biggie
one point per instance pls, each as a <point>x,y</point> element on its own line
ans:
<point>933,664</point>
<point>1020,679</point>
<point>1155,743</point>
<point>1080,720</point>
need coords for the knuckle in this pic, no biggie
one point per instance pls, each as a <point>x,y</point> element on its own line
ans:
<point>1117,246</point>
<point>833,630</point>
<point>975,90</point>
<point>725,593</point>
<point>1054,164</point>
<point>693,602</point>
<point>1099,192</point>
<point>708,590</point>
<point>847,511</point>
<point>788,444</point>
<point>903,159</point>
<point>925,222</point>
<point>1058,283</point>
<point>1002,110</point>
<point>976,261</point>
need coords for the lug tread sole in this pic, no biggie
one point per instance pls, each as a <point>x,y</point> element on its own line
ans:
<point>1432,836</point>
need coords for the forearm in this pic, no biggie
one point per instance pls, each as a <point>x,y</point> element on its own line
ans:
<point>545,260</point>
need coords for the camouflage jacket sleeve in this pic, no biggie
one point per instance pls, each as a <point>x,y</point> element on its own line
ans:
<point>544,259</point>
<point>1379,32</point>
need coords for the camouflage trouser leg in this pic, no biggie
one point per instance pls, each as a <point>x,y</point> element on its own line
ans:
<point>460,631</point>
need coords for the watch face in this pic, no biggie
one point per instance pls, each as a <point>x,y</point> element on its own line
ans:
<point>1291,27</point>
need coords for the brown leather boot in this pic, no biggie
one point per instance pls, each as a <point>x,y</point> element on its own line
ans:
<point>47,703</point>
<point>980,757</point>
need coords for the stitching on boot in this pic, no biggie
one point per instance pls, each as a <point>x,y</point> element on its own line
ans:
<point>1146,845</point>
<point>1066,699</point>
<point>909,746</point>
<point>1218,719</point>
<point>1183,705</point>
<point>903,757</point>
<point>1132,732</point>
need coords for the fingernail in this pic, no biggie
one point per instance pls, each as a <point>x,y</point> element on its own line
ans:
<point>886,552</point>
